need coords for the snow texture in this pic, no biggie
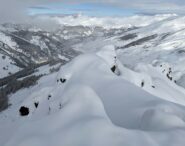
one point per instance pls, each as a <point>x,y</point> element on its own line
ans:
<point>94,106</point>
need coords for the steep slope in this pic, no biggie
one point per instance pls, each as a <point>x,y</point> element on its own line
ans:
<point>85,103</point>
<point>7,66</point>
<point>28,46</point>
<point>158,44</point>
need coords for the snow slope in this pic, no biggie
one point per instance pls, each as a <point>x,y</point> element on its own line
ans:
<point>7,66</point>
<point>85,103</point>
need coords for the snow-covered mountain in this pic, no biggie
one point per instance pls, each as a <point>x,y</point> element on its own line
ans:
<point>97,81</point>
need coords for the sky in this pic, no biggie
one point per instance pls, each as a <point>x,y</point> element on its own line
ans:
<point>16,10</point>
<point>90,9</point>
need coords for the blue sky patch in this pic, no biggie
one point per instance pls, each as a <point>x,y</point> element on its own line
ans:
<point>90,9</point>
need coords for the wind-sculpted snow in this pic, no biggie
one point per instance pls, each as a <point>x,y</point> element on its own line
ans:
<point>85,103</point>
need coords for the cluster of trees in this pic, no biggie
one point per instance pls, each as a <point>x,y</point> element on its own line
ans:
<point>3,100</point>
<point>140,41</point>
<point>21,79</point>
<point>13,86</point>
<point>20,74</point>
<point>4,57</point>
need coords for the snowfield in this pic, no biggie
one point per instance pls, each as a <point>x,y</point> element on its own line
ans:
<point>7,66</point>
<point>87,103</point>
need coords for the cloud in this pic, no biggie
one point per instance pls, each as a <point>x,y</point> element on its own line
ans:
<point>10,10</point>
<point>17,10</point>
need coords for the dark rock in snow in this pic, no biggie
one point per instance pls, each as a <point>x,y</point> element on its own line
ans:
<point>113,68</point>
<point>49,96</point>
<point>24,111</point>
<point>62,80</point>
<point>142,84</point>
<point>36,104</point>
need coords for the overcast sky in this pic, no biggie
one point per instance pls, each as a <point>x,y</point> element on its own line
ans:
<point>16,10</point>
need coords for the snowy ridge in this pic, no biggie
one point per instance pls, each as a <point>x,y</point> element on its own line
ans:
<point>124,89</point>
<point>85,103</point>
